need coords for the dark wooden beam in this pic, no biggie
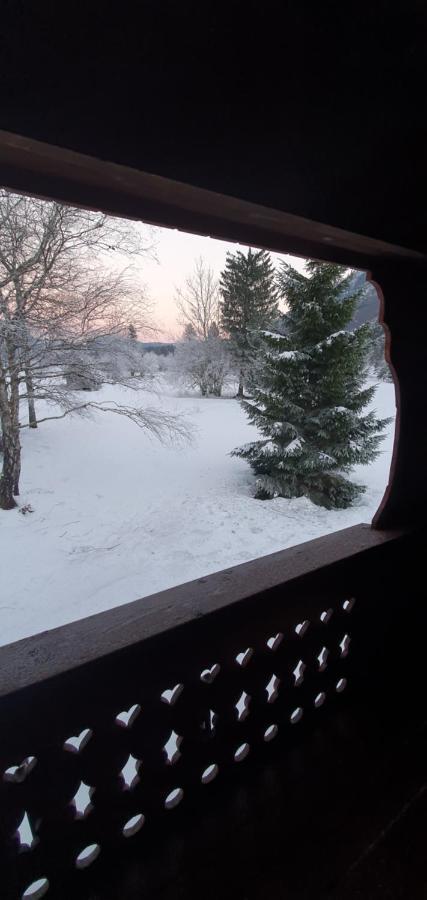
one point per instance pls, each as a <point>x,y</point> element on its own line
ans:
<point>403,290</point>
<point>55,173</point>
<point>47,655</point>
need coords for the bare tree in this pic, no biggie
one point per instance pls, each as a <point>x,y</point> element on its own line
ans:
<point>198,301</point>
<point>204,365</point>
<point>63,316</point>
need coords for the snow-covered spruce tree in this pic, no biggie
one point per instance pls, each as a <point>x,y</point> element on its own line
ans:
<point>249,303</point>
<point>309,394</point>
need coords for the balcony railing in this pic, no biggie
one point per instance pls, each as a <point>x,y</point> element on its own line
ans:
<point>121,724</point>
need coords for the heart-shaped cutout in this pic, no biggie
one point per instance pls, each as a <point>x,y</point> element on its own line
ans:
<point>244,657</point>
<point>170,696</point>
<point>209,675</point>
<point>348,604</point>
<point>127,717</point>
<point>76,743</point>
<point>274,642</point>
<point>325,616</point>
<point>301,628</point>
<point>18,774</point>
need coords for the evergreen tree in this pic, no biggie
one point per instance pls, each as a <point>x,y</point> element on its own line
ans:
<point>132,332</point>
<point>309,394</point>
<point>249,303</point>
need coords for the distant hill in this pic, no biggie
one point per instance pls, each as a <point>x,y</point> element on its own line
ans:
<point>162,349</point>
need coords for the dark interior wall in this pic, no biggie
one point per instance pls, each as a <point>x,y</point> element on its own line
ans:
<point>314,108</point>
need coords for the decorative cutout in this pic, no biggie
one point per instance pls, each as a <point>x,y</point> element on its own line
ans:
<point>242,707</point>
<point>36,890</point>
<point>126,718</point>
<point>298,673</point>
<point>82,800</point>
<point>241,752</point>
<point>27,840</point>
<point>323,659</point>
<point>129,773</point>
<point>274,642</point>
<point>320,699</point>
<point>296,715</point>
<point>210,773</point>
<point>170,696</point>
<point>88,856</point>
<point>209,722</point>
<point>270,732</point>
<point>325,616</point>
<point>174,798</point>
<point>18,774</point>
<point>345,645</point>
<point>164,724</point>
<point>133,825</point>
<point>272,689</point>
<point>171,748</point>
<point>75,744</point>
<point>349,604</point>
<point>209,675</point>
<point>245,657</point>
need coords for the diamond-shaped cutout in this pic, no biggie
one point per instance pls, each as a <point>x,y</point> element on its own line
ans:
<point>298,673</point>
<point>272,689</point>
<point>242,707</point>
<point>130,772</point>
<point>82,800</point>
<point>323,659</point>
<point>27,839</point>
<point>345,645</point>
<point>171,748</point>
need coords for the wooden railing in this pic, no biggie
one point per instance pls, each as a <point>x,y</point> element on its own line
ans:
<point>129,719</point>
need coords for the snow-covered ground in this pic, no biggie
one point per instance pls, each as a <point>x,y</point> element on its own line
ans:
<point>118,516</point>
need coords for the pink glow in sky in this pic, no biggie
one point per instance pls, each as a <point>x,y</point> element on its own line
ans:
<point>176,252</point>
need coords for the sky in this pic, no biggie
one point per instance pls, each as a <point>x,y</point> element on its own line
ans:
<point>175,254</point>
